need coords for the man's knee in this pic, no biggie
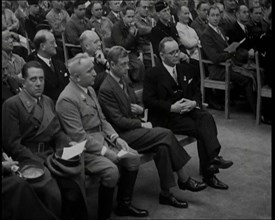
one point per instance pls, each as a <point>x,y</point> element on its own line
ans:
<point>110,176</point>
<point>131,162</point>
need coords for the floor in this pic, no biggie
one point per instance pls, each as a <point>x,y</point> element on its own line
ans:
<point>249,179</point>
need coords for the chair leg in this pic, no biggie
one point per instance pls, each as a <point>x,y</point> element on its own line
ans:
<point>258,110</point>
<point>226,103</point>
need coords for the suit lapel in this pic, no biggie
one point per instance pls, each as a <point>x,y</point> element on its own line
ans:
<point>48,116</point>
<point>218,37</point>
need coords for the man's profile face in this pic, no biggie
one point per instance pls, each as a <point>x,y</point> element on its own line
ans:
<point>50,45</point>
<point>87,75</point>
<point>171,53</point>
<point>165,14</point>
<point>129,17</point>
<point>7,41</point>
<point>120,68</point>
<point>80,11</point>
<point>144,8</point>
<point>34,82</point>
<point>93,44</point>
<point>97,10</point>
<point>243,14</point>
<point>214,17</point>
<point>202,12</point>
<point>256,15</point>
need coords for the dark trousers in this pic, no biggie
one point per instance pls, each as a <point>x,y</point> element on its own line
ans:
<point>201,125</point>
<point>170,156</point>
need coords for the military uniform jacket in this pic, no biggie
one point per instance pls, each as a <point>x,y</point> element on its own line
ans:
<point>21,126</point>
<point>81,117</point>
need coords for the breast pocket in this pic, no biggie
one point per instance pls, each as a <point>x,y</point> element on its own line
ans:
<point>89,117</point>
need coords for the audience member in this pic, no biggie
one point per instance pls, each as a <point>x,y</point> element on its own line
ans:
<point>91,44</point>
<point>125,34</point>
<point>256,25</point>
<point>22,12</point>
<point>229,16</point>
<point>120,106</point>
<point>9,20</point>
<point>144,24</point>
<point>213,43</point>
<point>10,85</point>
<point>77,23</point>
<point>187,35</point>
<point>163,28</point>
<point>103,25</point>
<point>13,61</point>
<point>200,22</point>
<point>81,116</point>
<point>31,131</point>
<point>172,94</point>
<point>57,18</point>
<point>114,14</point>
<point>55,72</point>
<point>35,20</point>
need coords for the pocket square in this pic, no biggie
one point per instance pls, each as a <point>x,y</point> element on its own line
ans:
<point>190,80</point>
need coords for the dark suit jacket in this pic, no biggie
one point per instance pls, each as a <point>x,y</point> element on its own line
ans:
<point>56,81</point>
<point>160,91</point>
<point>20,126</point>
<point>112,17</point>
<point>116,106</point>
<point>236,34</point>
<point>121,36</point>
<point>161,31</point>
<point>213,47</point>
<point>199,25</point>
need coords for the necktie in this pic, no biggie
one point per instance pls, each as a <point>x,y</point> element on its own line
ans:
<point>123,85</point>
<point>220,33</point>
<point>175,75</point>
<point>51,65</point>
<point>39,102</point>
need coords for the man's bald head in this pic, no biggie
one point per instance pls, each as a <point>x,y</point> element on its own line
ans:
<point>81,68</point>
<point>90,42</point>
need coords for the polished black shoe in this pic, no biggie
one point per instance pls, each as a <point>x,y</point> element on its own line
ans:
<point>215,183</point>
<point>130,210</point>
<point>192,185</point>
<point>219,163</point>
<point>173,201</point>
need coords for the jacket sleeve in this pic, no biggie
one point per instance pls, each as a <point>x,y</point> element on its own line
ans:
<point>118,38</point>
<point>112,110</point>
<point>151,98</point>
<point>211,51</point>
<point>70,119</point>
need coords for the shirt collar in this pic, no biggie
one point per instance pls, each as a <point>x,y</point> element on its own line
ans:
<point>169,68</point>
<point>117,79</point>
<point>84,89</point>
<point>241,25</point>
<point>46,60</point>
<point>214,28</point>
<point>116,14</point>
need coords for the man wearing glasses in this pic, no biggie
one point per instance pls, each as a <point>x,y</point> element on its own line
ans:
<point>171,92</point>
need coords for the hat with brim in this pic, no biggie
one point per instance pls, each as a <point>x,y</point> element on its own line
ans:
<point>160,5</point>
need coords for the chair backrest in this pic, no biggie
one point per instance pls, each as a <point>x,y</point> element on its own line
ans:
<point>65,49</point>
<point>258,72</point>
<point>152,55</point>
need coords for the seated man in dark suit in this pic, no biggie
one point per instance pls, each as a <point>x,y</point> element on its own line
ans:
<point>171,92</point>
<point>56,73</point>
<point>125,34</point>
<point>213,43</point>
<point>119,104</point>
<point>81,117</point>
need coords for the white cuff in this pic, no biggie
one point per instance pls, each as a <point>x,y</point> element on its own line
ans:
<point>113,137</point>
<point>103,150</point>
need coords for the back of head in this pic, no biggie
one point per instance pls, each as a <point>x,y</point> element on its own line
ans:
<point>40,37</point>
<point>116,52</point>
<point>79,63</point>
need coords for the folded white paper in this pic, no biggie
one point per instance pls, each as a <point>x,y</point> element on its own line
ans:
<point>70,152</point>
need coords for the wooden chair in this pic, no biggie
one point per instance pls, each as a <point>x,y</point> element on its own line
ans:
<point>67,46</point>
<point>262,91</point>
<point>215,84</point>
